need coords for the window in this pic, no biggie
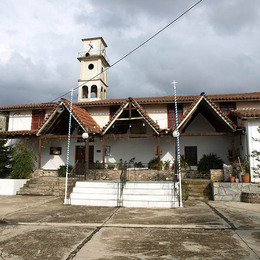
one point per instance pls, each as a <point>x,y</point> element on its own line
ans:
<point>226,108</point>
<point>191,155</point>
<point>93,91</point>
<point>55,150</point>
<point>171,114</point>
<point>37,118</point>
<point>91,66</point>
<point>112,111</point>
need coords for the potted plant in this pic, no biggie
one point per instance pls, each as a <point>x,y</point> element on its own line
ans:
<point>167,165</point>
<point>138,165</point>
<point>245,168</point>
<point>246,177</point>
<point>111,166</point>
<point>120,165</point>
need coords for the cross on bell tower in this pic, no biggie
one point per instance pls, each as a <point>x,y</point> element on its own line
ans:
<point>93,65</point>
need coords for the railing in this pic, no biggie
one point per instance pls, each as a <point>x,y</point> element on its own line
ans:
<point>122,185</point>
<point>94,53</point>
<point>132,171</point>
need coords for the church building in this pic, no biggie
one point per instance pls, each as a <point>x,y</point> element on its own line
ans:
<point>132,127</point>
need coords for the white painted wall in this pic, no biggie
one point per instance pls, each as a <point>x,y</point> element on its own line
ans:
<point>247,104</point>
<point>158,113</point>
<point>11,186</point>
<point>209,144</point>
<point>252,133</point>
<point>20,120</point>
<point>200,125</point>
<point>100,115</point>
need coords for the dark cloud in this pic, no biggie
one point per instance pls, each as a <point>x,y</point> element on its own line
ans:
<point>214,48</point>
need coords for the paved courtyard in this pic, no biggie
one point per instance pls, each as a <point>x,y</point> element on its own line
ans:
<point>44,228</point>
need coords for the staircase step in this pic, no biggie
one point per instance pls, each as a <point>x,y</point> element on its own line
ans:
<point>135,194</point>
<point>46,186</point>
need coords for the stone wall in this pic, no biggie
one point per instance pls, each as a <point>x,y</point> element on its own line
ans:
<point>231,191</point>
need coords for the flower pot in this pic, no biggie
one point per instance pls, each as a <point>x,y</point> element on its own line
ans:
<point>232,178</point>
<point>246,178</point>
<point>167,168</point>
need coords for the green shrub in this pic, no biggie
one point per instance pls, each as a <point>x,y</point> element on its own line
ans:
<point>209,161</point>
<point>5,158</point>
<point>24,160</point>
<point>62,170</point>
<point>153,163</point>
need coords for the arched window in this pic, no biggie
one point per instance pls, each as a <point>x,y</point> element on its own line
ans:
<point>101,95</point>
<point>85,92</point>
<point>93,91</point>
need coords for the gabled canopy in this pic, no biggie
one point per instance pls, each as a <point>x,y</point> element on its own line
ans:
<point>130,114</point>
<point>58,120</point>
<point>211,112</point>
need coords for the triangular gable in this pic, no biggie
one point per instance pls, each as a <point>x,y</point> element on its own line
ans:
<point>81,116</point>
<point>142,114</point>
<point>211,112</point>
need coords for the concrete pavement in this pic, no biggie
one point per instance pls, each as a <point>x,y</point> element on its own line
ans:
<point>44,228</point>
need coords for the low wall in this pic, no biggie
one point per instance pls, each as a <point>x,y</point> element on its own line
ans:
<point>231,191</point>
<point>11,186</point>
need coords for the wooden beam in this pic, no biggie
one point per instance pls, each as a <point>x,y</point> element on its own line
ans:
<point>132,118</point>
<point>130,135</point>
<point>26,142</point>
<point>103,151</point>
<point>208,134</point>
<point>233,149</point>
<point>87,153</point>
<point>40,153</point>
<point>159,155</point>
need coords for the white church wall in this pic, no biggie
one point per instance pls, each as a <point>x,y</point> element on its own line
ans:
<point>247,104</point>
<point>209,144</point>
<point>52,162</point>
<point>200,125</point>
<point>20,120</point>
<point>252,134</point>
<point>140,148</point>
<point>158,113</point>
<point>100,115</point>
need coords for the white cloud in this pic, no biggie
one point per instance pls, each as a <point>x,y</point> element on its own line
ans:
<point>214,48</point>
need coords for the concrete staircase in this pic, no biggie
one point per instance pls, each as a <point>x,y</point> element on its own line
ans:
<point>46,186</point>
<point>134,194</point>
<point>197,189</point>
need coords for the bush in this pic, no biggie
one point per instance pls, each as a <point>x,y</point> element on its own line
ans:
<point>153,164</point>
<point>5,158</point>
<point>209,161</point>
<point>62,170</point>
<point>24,160</point>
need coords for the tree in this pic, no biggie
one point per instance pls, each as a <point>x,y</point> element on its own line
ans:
<point>5,158</point>
<point>23,162</point>
<point>256,154</point>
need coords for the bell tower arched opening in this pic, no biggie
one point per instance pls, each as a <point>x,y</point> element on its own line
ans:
<point>93,69</point>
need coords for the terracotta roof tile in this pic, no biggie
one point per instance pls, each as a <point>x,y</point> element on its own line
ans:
<point>29,106</point>
<point>144,114</point>
<point>246,113</point>
<point>139,108</point>
<point>170,99</point>
<point>212,103</point>
<point>83,117</point>
<point>19,132</point>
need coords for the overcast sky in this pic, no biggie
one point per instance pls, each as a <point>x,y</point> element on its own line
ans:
<point>215,48</point>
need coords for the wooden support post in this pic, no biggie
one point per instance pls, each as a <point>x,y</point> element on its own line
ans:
<point>103,151</point>
<point>40,153</point>
<point>25,142</point>
<point>233,149</point>
<point>159,152</point>
<point>87,154</point>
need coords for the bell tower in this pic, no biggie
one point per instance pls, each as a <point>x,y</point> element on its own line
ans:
<point>93,65</point>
